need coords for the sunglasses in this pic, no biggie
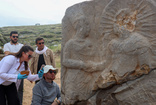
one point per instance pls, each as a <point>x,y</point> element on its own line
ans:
<point>52,71</point>
<point>41,43</point>
<point>29,56</point>
<point>15,36</point>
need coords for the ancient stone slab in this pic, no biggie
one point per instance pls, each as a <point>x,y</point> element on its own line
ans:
<point>106,44</point>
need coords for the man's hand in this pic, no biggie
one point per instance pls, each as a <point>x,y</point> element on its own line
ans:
<point>8,53</point>
<point>56,102</point>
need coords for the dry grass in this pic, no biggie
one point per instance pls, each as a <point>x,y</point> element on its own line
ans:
<point>27,96</point>
<point>28,86</point>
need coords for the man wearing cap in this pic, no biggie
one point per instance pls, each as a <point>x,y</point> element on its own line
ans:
<point>46,90</point>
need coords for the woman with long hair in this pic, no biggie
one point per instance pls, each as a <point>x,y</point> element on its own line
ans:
<point>10,73</point>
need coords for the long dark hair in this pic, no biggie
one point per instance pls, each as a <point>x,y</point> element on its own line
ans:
<point>24,49</point>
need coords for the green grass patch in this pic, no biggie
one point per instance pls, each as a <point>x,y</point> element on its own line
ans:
<point>57,61</point>
<point>56,48</point>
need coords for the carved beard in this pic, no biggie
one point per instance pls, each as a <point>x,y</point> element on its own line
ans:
<point>13,41</point>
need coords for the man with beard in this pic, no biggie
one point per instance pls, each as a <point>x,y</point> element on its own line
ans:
<point>13,46</point>
<point>10,48</point>
<point>42,56</point>
<point>46,90</point>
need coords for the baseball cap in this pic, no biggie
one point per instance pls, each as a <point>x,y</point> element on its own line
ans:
<point>48,67</point>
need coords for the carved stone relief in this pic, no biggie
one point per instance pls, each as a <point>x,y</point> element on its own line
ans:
<point>130,47</point>
<point>105,44</point>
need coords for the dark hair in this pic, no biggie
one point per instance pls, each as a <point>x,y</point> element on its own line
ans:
<point>24,49</point>
<point>13,32</point>
<point>38,39</point>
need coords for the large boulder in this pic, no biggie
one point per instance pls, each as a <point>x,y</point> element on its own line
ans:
<point>109,53</point>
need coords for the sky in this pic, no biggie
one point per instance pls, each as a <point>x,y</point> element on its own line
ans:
<point>30,12</point>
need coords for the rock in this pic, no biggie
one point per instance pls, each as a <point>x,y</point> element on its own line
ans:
<point>138,92</point>
<point>107,45</point>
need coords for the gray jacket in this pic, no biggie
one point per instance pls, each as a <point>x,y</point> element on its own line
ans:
<point>44,93</point>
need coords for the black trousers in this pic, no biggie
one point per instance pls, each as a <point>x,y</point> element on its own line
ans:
<point>9,93</point>
<point>20,91</point>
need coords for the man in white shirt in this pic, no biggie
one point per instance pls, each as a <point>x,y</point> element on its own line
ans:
<point>10,48</point>
<point>13,46</point>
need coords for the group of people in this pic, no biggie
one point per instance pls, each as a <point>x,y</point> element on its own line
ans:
<point>16,61</point>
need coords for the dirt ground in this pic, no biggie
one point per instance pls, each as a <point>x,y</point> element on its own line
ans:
<point>28,86</point>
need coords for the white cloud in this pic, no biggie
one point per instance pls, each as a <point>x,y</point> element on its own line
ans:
<point>41,11</point>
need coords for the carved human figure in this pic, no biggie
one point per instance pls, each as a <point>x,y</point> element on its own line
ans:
<point>126,53</point>
<point>80,70</point>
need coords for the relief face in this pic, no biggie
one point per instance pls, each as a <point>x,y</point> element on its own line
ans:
<point>126,19</point>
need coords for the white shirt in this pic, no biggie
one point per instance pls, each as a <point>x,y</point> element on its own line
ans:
<point>9,72</point>
<point>12,47</point>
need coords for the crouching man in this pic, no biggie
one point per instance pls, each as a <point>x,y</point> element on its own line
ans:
<point>46,90</point>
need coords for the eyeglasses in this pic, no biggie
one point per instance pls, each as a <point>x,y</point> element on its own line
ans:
<point>29,56</point>
<point>41,43</point>
<point>52,71</point>
<point>15,36</point>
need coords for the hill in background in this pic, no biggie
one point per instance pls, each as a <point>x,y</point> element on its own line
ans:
<point>27,35</point>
